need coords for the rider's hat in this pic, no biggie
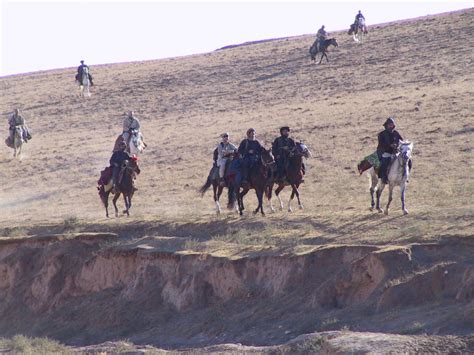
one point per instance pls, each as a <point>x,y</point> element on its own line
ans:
<point>284,128</point>
<point>389,120</point>
<point>82,61</point>
<point>225,134</point>
<point>250,130</point>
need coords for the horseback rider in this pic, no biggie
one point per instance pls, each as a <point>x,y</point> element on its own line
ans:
<point>17,120</point>
<point>249,151</point>
<point>359,17</point>
<point>225,152</point>
<point>389,140</point>
<point>281,148</point>
<point>130,124</point>
<point>359,22</point>
<point>321,36</point>
<point>116,162</point>
<point>80,70</point>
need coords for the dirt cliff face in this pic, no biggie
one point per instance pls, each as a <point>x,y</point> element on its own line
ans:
<point>86,289</point>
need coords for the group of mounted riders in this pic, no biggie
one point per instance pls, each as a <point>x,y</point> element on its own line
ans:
<point>322,41</point>
<point>233,166</point>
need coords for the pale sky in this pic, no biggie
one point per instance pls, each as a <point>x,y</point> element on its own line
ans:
<point>40,35</point>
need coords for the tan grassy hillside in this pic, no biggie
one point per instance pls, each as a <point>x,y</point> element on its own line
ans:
<point>417,70</point>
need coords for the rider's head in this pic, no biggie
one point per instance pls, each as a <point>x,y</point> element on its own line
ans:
<point>122,145</point>
<point>82,62</point>
<point>389,124</point>
<point>16,111</point>
<point>285,131</point>
<point>251,133</point>
<point>322,27</point>
<point>359,12</point>
<point>225,137</point>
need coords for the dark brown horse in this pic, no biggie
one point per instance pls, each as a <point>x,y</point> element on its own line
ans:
<point>294,176</point>
<point>213,180</point>
<point>125,187</point>
<point>257,179</point>
<point>313,50</point>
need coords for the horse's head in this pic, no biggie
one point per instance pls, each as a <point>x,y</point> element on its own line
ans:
<point>405,148</point>
<point>132,165</point>
<point>267,157</point>
<point>303,150</point>
<point>333,41</point>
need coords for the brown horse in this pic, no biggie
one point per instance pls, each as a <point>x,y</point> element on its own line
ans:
<point>125,187</point>
<point>257,179</point>
<point>213,180</point>
<point>313,50</point>
<point>294,176</point>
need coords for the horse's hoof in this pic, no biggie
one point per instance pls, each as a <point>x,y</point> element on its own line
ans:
<point>380,210</point>
<point>290,210</point>
<point>405,212</point>
<point>371,208</point>
<point>301,207</point>
<point>386,212</point>
<point>272,210</point>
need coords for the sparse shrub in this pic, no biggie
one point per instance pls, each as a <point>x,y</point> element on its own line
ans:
<point>14,232</point>
<point>21,344</point>
<point>71,224</point>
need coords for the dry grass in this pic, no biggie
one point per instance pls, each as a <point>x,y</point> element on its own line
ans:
<point>417,71</point>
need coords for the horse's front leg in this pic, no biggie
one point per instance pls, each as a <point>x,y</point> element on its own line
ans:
<point>300,205</point>
<point>277,193</point>
<point>322,56</point>
<point>402,196</point>
<point>217,193</point>
<point>128,203</point>
<point>114,201</point>
<point>390,196</point>
<point>269,192</point>
<point>259,193</point>
<point>379,193</point>
<point>241,200</point>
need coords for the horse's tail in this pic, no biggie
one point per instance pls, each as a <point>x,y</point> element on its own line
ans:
<point>231,196</point>
<point>102,193</point>
<point>206,186</point>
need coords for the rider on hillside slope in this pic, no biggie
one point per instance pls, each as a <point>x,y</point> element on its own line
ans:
<point>321,36</point>
<point>389,140</point>
<point>17,120</point>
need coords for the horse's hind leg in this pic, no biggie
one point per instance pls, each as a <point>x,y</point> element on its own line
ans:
<point>379,193</point>
<point>373,189</point>
<point>259,194</point>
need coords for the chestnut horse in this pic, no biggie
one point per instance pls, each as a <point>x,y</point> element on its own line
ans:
<point>294,176</point>
<point>257,179</point>
<point>125,187</point>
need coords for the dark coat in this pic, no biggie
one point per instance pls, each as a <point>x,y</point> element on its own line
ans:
<point>119,157</point>
<point>281,142</point>
<point>386,139</point>
<point>248,147</point>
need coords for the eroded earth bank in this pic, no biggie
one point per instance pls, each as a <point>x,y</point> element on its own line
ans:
<point>90,288</point>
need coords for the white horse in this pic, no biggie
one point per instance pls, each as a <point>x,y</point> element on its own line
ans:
<point>358,31</point>
<point>85,86</point>
<point>17,142</point>
<point>136,144</point>
<point>397,176</point>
